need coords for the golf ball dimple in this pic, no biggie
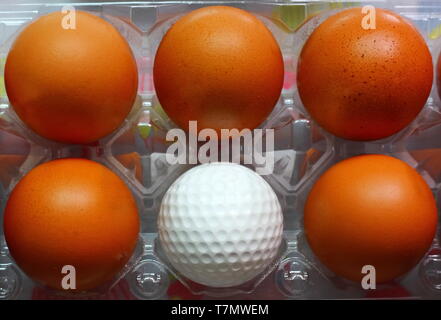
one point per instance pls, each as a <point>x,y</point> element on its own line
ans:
<point>223,237</point>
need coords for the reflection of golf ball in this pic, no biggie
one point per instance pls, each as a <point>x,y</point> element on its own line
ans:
<point>220,224</point>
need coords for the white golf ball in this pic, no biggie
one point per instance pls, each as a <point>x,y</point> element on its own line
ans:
<point>220,224</point>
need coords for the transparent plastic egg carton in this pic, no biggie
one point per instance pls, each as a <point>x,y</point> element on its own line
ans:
<point>302,152</point>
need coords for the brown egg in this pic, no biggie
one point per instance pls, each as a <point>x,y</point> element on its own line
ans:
<point>370,210</point>
<point>71,212</point>
<point>71,85</point>
<point>220,66</point>
<point>363,84</point>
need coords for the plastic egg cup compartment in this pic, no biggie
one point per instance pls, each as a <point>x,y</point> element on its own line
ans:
<point>303,151</point>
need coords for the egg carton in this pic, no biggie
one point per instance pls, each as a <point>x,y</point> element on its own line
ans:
<point>302,152</point>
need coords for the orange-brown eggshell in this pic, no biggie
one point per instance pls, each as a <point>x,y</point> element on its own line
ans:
<point>219,66</point>
<point>71,85</point>
<point>71,212</point>
<point>363,84</point>
<point>370,210</point>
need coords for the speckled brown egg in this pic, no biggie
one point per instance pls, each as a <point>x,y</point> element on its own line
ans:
<point>364,84</point>
<point>220,66</point>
